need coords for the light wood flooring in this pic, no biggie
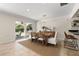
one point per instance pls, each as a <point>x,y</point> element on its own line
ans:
<point>16,49</point>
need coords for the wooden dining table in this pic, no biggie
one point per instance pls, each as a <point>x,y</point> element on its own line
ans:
<point>45,36</point>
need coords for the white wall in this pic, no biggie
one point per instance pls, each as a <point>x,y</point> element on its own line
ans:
<point>61,23</point>
<point>7,26</point>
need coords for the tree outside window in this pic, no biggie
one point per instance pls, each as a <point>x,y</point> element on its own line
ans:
<point>19,29</point>
<point>29,27</point>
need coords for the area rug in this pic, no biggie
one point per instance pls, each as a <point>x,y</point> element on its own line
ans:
<point>49,50</point>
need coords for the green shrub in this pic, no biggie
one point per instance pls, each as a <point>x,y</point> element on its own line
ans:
<point>29,27</point>
<point>19,28</point>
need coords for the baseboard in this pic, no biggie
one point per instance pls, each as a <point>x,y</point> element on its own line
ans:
<point>7,42</point>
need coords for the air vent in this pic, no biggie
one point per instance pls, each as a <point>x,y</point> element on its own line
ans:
<point>63,4</point>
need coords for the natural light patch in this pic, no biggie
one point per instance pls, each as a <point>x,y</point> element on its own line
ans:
<point>17,22</point>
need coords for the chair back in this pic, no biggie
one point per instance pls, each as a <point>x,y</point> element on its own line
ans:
<point>55,34</point>
<point>40,35</point>
<point>66,36</point>
<point>33,34</point>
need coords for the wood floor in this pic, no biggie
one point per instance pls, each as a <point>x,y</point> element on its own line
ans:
<point>16,49</point>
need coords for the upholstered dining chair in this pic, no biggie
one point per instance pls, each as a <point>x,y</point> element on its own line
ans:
<point>70,40</point>
<point>41,38</point>
<point>53,38</point>
<point>33,36</point>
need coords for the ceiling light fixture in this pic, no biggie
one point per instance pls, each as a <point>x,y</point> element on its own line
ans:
<point>27,10</point>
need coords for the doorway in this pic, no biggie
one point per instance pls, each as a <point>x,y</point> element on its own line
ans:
<point>23,30</point>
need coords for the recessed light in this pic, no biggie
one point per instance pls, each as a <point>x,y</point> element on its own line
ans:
<point>27,10</point>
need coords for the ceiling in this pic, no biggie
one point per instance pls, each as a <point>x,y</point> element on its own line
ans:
<point>37,11</point>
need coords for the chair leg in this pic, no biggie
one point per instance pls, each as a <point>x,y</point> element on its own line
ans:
<point>46,43</point>
<point>32,40</point>
<point>43,42</point>
<point>76,44</point>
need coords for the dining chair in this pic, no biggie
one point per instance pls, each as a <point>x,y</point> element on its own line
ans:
<point>70,40</point>
<point>33,36</point>
<point>41,38</point>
